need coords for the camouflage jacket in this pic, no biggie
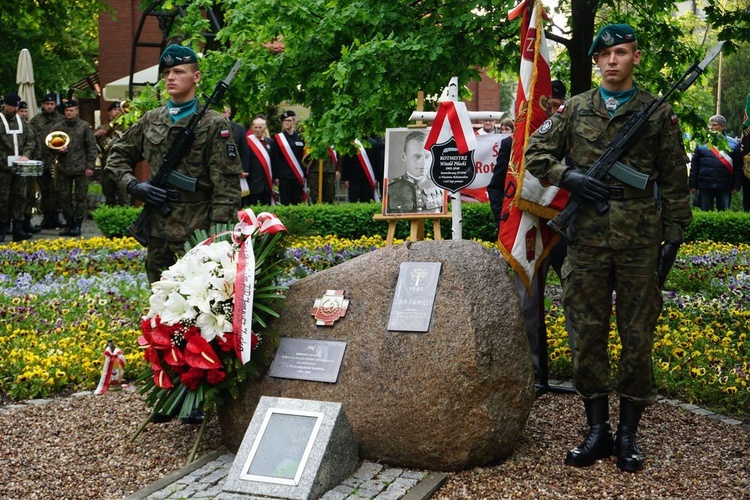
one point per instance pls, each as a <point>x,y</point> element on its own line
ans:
<point>43,124</point>
<point>82,150</point>
<point>212,160</point>
<point>582,128</point>
<point>26,142</point>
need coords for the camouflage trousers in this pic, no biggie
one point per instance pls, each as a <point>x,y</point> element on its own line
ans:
<point>73,192</point>
<point>48,192</point>
<point>161,255</point>
<point>590,276</point>
<point>12,196</point>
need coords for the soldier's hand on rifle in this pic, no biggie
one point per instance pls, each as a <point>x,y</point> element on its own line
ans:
<point>149,193</point>
<point>577,182</point>
<point>667,256</point>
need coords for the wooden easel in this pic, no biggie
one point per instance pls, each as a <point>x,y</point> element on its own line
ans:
<point>417,225</point>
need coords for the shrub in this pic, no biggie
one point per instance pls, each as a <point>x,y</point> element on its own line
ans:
<point>354,220</point>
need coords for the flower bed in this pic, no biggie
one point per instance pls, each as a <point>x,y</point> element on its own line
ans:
<point>62,300</point>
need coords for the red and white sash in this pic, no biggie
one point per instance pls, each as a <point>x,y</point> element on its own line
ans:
<point>364,162</point>
<point>724,158</point>
<point>291,160</point>
<point>334,157</point>
<point>262,154</point>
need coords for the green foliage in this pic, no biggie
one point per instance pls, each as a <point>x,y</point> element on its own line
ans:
<point>726,227</point>
<point>61,35</point>
<point>113,222</point>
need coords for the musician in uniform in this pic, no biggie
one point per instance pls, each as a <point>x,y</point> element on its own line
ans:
<point>106,135</point>
<point>76,164</point>
<point>212,160</point>
<point>414,192</point>
<point>42,124</point>
<point>23,112</point>
<point>627,250</point>
<point>16,144</point>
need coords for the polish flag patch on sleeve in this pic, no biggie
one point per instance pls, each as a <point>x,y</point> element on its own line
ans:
<point>224,134</point>
<point>674,119</point>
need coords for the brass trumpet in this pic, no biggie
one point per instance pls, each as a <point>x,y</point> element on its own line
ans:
<point>57,140</point>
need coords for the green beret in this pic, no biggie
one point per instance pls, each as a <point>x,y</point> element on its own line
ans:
<point>611,35</point>
<point>176,55</point>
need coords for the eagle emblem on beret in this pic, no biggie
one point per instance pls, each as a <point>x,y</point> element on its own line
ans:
<point>607,38</point>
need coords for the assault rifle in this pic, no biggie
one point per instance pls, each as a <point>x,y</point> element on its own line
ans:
<point>608,165</point>
<point>167,174</point>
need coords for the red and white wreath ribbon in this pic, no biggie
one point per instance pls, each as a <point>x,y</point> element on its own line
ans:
<point>244,286</point>
<point>112,360</point>
<point>452,120</point>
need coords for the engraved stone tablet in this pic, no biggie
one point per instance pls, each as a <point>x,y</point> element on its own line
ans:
<point>308,359</point>
<point>411,309</point>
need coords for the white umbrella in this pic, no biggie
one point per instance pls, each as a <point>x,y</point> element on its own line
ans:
<point>25,81</point>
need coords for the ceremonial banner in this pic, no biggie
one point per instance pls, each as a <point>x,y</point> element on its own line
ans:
<point>524,238</point>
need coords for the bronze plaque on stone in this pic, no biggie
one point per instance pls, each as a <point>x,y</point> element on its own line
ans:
<point>308,359</point>
<point>411,310</point>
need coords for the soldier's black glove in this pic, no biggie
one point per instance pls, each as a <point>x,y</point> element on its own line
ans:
<point>579,183</point>
<point>149,193</point>
<point>667,256</point>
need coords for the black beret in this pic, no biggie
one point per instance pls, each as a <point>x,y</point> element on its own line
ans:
<point>176,55</point>
<point>611,35</point>
<point>11,99</point>
<point>114,105</point>
<point>22,105</point>
<point>49,97</point>
<point>287,114</point>
<point>558,89</point>
<point>70,104</point>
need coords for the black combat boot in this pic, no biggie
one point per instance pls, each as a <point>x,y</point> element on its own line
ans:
<point>66,229</point>
<point>76,229</point>
<point>629,456</point>
<point>2,232</point>
<point>8,227</point>
<point>18,233</point>
<point>45,222</point>
<point>55,221</point>
<point>28,227</point>
<point>598,442</point>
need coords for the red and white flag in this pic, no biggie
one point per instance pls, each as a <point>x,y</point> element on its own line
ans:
<point>524,238</point>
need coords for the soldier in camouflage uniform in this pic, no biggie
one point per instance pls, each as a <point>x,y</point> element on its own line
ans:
<point>42,124</point>
<point>16,144</point>
<point>627,250</point>
<point>76,166</point>
<point>213,161</point>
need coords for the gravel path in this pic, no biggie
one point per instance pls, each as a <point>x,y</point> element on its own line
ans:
<point>77,447</point>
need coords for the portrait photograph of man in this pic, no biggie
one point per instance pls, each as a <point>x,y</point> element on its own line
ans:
<point>408,187</point>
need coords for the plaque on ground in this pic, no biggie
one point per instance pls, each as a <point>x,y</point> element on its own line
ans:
<point>411,310</point>
<point>293,449</point>
<point>308,359</point>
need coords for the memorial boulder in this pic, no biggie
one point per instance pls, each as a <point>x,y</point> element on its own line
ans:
<point>454,397</point>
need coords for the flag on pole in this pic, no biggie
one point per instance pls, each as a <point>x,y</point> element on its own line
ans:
<point>524,238</point>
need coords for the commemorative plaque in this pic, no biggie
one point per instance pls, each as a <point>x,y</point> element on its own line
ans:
<point>308,359</point>
<point>451,170</point>
<point>411,310</point>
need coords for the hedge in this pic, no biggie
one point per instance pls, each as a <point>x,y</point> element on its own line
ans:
<point>352,220</point>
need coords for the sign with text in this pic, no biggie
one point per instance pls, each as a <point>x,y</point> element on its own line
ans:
<point>308,359</point>
<point>451,170</point>
<point>411,310</point>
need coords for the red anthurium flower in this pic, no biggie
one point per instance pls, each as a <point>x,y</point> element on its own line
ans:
<point>143,342</point>
<point>151,355</point>
<point>174,357</point>
<point>161,379</point>
<point>199,354</point>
